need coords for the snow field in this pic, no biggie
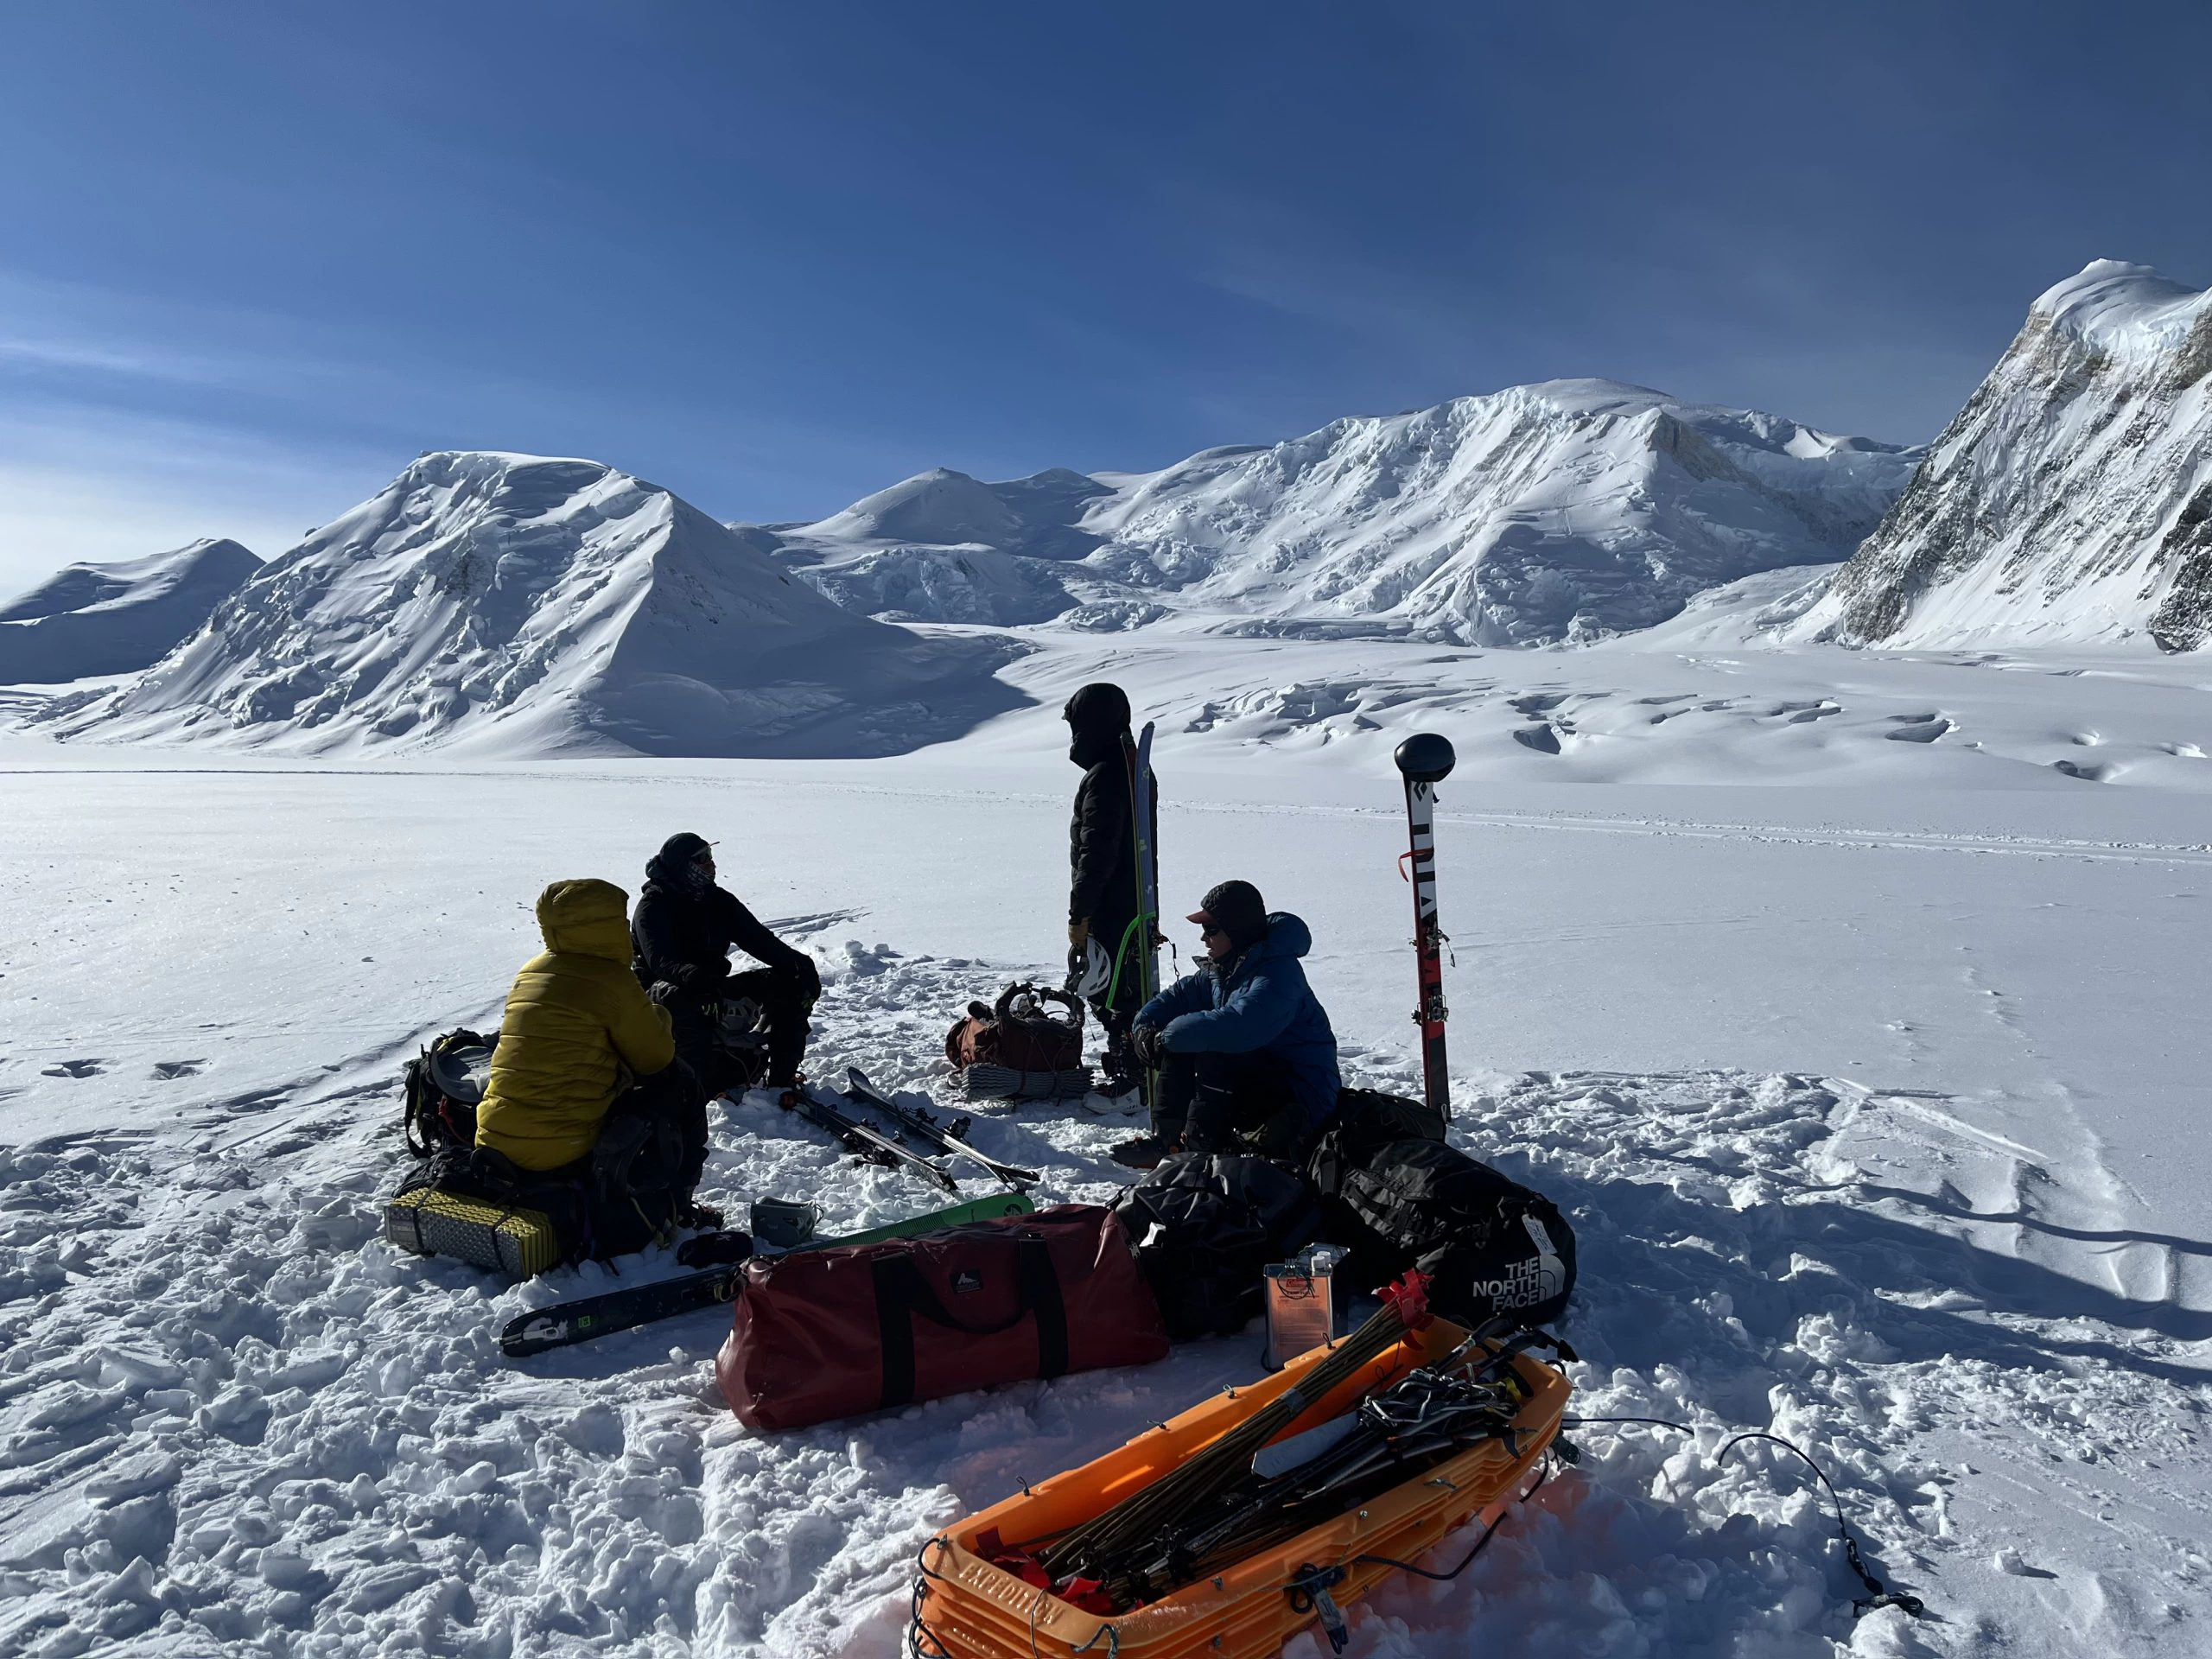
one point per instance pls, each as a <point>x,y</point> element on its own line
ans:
<point>1873,1100</point>
<point>236,1415</point>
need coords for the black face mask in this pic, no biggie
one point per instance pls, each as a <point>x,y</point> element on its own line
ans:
<point>1093,747</point>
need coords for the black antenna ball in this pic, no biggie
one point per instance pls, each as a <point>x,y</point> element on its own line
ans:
<point>1425,757</point>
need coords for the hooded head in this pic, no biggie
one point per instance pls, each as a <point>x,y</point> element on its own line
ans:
<point>585,918</point>
<point>685,863</point>
<point>1234,908</point>
<point>1098,715</point>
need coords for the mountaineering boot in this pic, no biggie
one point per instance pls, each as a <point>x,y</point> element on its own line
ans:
<point>719,1249</point>
<point>689,1212</point>
<point>1143,1152</point>
<point>1120,1089</point>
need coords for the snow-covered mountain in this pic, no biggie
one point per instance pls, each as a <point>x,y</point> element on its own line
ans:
<point>943,547</point>
<point>94,620</point>
<point>1561,512</point>
<point>2070,501</point>
<point>519,604</point>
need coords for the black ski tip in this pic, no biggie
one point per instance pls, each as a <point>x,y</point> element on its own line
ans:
<point>1425,757</point>
<point>533,1333</point>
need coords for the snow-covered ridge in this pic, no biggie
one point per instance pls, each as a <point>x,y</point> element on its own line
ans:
<point>1562,511</point>
<point>94,620</point>
<point>2070,501</point>
<point>522,604</point>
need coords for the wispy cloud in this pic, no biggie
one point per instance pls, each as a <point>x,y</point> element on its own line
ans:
<point>94,483</point>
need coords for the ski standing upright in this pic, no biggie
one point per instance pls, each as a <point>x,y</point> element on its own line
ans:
<point>1427,759</point>
<point>1141,949</point>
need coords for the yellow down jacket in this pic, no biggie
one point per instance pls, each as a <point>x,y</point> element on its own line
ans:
<point>575,1018</point>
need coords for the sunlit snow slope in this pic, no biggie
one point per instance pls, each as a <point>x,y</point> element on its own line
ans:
<point>516,604</point>
<point>1566,510</point>
<point>2071,502</point>
<point>116,619</point>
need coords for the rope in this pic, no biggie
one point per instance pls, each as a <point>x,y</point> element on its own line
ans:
<point>1543,1474</point>
<point>1879,1595</point>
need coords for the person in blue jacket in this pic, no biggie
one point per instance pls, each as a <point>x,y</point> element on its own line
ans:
<point>1244,1054</point>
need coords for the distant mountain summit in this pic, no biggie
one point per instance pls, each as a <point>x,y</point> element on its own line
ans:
<point>93,620</point>
<point>1562,511</point>
<point>514,603</point>
<point>2070,501</point>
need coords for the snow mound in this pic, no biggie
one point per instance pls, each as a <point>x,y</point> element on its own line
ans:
<point>1559,513</point>
<point>2070,501</point>
<point>516,604</point>
<point>96,619</point>
<point>1756,610</point>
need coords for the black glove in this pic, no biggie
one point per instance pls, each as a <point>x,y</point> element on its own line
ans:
<point>800,969</point>
<point>1149,1045</point>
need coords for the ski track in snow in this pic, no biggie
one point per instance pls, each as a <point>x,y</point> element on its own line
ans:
<point>232,1418</point>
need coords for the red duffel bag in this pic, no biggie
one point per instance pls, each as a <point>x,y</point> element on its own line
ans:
<point>827,1334</point>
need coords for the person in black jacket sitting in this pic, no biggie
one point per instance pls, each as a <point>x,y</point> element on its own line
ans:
<point>681,930</point>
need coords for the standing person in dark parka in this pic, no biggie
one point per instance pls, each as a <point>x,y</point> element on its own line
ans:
<point>1102,889</point>
<point>683,931</point>
<point>1247,1061</point>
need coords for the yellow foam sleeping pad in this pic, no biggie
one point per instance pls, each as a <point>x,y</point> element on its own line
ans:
<point>499,1237</point>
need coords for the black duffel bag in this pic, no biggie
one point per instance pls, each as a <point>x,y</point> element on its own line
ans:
<point>1490,1245</point>
<point>1205,1226</point>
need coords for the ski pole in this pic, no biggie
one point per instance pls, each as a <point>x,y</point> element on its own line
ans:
<point>1427,759</point>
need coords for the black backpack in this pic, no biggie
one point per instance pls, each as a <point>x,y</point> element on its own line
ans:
<point>1491,1245</point>
<point>445,1086</point>
<point>1204,1228</point>
<point>1366,1122</point>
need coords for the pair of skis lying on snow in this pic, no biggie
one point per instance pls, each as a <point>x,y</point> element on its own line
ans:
<point>621,1310</point>
<point>909,1122</point>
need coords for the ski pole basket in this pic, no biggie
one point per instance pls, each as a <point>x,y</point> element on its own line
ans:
<point>966,1607</point>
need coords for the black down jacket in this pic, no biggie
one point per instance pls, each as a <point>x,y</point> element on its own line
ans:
<point>1102,844</point>
<point>682,936</point>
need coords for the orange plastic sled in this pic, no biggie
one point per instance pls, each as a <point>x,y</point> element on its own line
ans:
<point>966,1608</point>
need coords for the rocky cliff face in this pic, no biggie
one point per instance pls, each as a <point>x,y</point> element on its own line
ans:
<point>2070,501</point>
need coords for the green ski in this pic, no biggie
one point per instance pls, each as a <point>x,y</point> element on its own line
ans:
<point>619,1310</point>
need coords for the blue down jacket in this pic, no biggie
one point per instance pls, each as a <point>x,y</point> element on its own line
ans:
<point>1263,1006</point>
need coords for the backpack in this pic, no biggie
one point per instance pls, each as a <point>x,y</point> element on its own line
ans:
<point>1205,1226</point>
<point>1491,1245</point>
<point>1367,1122</point>
<point>445,1086</point>
<point>1020,1033</point>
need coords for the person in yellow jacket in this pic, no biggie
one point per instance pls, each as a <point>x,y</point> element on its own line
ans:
<point>578,1032</point>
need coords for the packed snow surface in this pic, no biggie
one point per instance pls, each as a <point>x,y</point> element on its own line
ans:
<point>1563,511</point>
<point>92,620</point>
<point>2070,501</point>
<point>1876,1101</point>
<point>521,604</point>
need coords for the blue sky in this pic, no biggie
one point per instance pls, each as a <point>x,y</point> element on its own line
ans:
<point>254,256</point>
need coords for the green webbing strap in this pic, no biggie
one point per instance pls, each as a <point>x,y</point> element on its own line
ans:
<point>1121,955</point>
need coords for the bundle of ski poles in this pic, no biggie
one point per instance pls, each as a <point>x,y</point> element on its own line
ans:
<point>1388,1439</point>
<point>1119,1548</point>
